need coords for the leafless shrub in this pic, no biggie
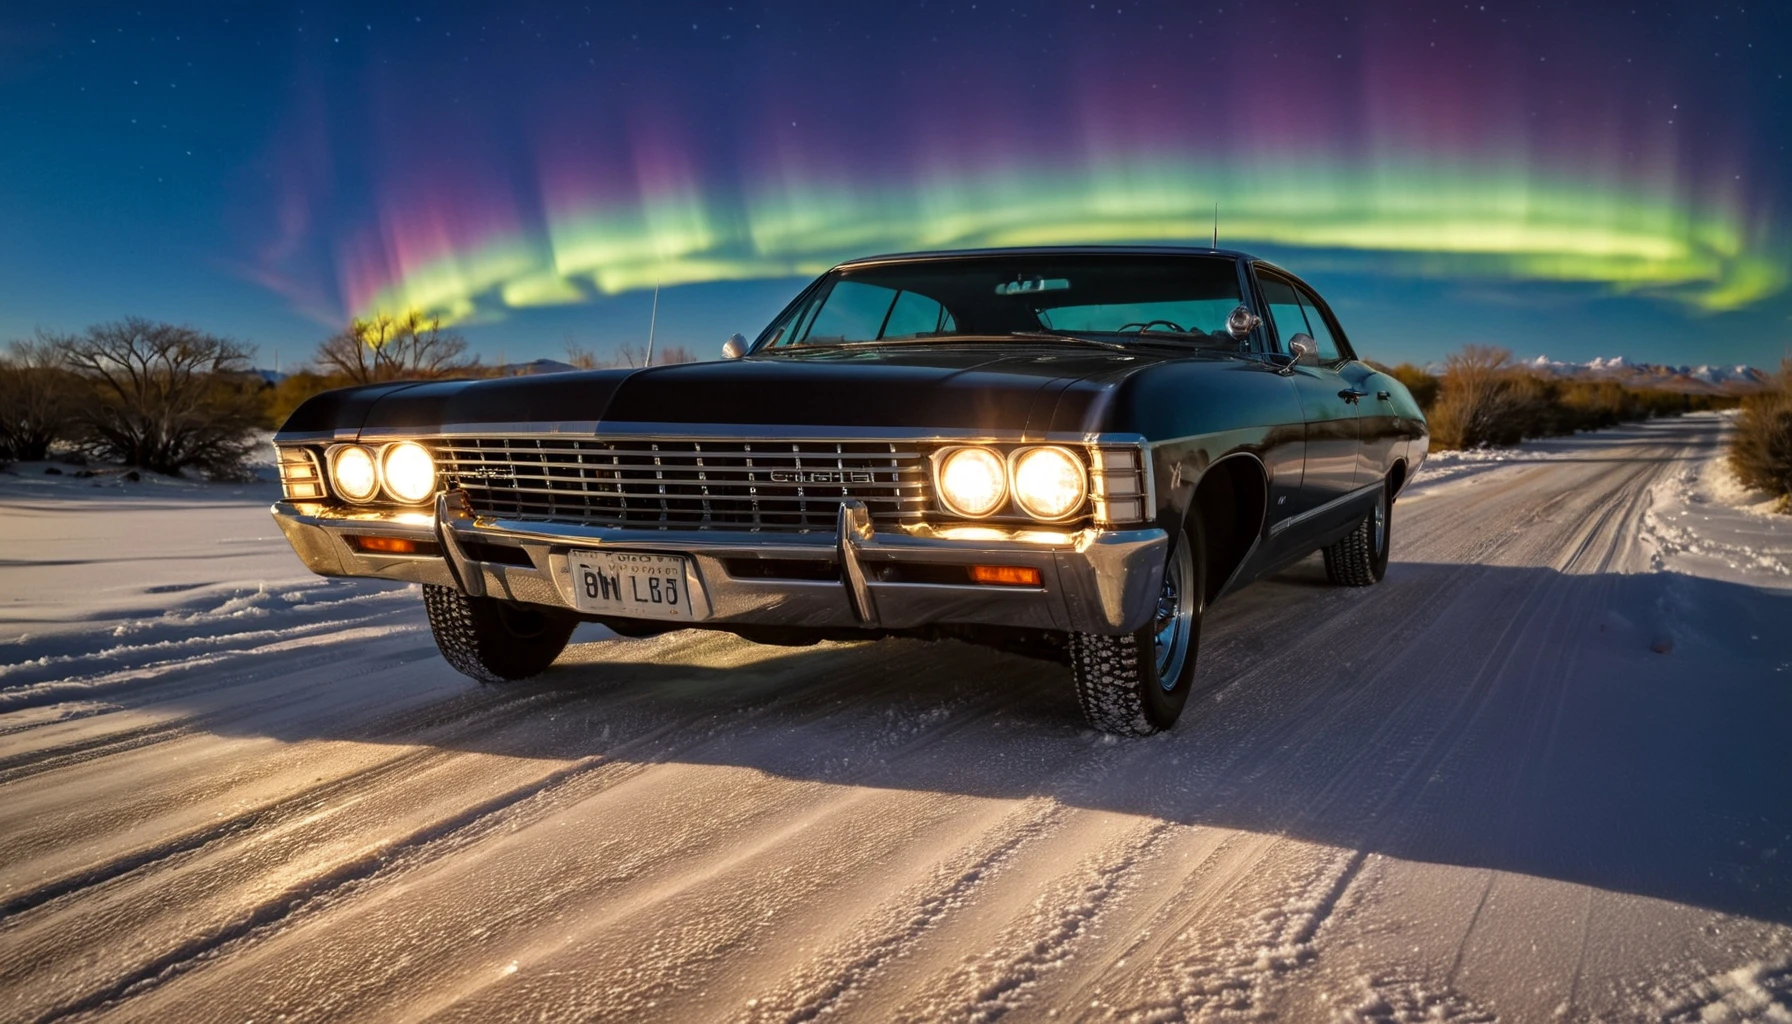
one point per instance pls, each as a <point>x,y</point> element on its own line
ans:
<point>383,348</point>
<point>1761,449</point>
<point>627,354</point>
<point>38,401</point>
<point>163,397</point>
<point>1475,398</point>
<point>1420,383</point>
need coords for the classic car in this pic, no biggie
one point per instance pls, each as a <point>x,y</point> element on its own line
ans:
<point>1068,453</point>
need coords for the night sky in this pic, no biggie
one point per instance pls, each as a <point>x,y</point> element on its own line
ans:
<point>1570,179</point>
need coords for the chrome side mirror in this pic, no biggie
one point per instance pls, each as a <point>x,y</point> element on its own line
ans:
<point>1301,348</point>
<point>1241,321</point>
<point>734,347</point>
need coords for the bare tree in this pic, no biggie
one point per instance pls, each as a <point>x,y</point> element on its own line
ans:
<point>38,400</point>
<point>1474,398</point>
<point>382,348</point>
<point>164,397</point>
<point>581,357</point>
<point>628,354</point>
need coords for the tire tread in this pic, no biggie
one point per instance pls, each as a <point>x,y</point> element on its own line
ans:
<point>475,640</point>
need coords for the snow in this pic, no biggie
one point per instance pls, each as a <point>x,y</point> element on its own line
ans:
<point>1537,773</point>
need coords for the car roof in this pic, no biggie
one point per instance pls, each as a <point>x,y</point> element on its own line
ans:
<point>1051,250</point>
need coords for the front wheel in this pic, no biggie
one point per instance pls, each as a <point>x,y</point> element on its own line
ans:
<point>1360,558</point>
<point>1136,684</point>
<point>491,640</point>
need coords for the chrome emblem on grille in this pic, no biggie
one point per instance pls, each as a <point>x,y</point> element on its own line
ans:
<point>488,473</point>
<point>827,476</point>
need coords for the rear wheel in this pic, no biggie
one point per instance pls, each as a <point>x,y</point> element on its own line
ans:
<point>1360,558</point>
<point>491,640</point>
<point>1136,684</point>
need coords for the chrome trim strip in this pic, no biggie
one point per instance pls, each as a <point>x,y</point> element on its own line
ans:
<point>1344,499</point>
<point>585,430</point>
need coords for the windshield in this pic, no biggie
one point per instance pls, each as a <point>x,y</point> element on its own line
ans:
<point>1179,299</point>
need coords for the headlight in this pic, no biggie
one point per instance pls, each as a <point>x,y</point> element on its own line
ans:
<point>410,473</point>
<point>1049,483</point>
<point>973,481</point>
<point>353,473</point>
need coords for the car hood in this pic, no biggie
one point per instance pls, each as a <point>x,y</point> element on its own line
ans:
<point>963,388</point>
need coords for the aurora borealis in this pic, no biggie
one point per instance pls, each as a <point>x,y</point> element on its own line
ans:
<point>529,172</point>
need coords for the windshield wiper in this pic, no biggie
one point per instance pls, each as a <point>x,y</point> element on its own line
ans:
<point>1075,339</point>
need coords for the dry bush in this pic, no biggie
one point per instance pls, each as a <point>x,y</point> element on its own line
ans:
<point>163,397</point>
<point>627,355</point>
<point>38,401</point>
<point>1422,385</point>
<point>386,348</point>
<point>1761,448</point>
<point>1475,400</point>
<point>1486,399</point>
<point>292,391</point>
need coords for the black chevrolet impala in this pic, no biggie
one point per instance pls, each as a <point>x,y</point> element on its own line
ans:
<point>1069,453</point>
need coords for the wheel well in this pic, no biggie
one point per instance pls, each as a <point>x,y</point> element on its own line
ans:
<point>1230,500</point>
<point>1396,478</point>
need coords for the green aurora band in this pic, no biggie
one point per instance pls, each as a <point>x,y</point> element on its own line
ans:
<point>1436,221</point>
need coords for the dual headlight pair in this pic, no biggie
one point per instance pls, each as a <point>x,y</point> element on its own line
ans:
<point>1047,483</point>
<point>405,470</point>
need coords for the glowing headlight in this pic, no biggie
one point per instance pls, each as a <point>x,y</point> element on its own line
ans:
<point>973,481</point>
<point>410,473</point>
<point>1049,483</point>
<point>352,470</point>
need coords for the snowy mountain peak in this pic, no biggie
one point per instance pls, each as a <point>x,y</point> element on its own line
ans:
<point>1674,378</point>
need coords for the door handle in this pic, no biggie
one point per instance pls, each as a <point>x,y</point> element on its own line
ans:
<point>1384,395</point>
<point>1350,395</point>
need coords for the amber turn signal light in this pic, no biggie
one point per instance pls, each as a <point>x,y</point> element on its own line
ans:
<point>1006,575</point>
<point>388,545</point>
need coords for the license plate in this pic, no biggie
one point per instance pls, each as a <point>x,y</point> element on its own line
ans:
<point>634,584</point>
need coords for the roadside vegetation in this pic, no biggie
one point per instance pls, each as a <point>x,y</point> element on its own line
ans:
<point>1761,449</point>
<point>171,399</point>
<point>150,395</point>
<point>1483,398</point>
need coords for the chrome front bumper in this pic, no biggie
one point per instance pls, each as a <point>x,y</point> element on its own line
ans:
<point>1093,581</point>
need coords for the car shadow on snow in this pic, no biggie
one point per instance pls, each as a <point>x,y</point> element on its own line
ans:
<point>1626,732</point>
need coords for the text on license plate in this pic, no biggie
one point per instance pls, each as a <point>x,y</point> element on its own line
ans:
<point>638,584</point>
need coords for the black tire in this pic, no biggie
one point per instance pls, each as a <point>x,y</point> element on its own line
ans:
<point>1120,680</point>
<point>493,641</point>
<point>1360,558</point>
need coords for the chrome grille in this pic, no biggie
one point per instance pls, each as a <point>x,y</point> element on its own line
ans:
<point>737,485</point>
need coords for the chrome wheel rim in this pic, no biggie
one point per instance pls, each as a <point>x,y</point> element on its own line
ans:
<point>1381,524</point>
<point>1174,624</point>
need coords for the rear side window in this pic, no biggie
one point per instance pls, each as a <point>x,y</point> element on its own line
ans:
<point>853,311</point>
<point>857,311</point>
<point>1284,309</point>
<point>915,314</point>
<point>1329,350</point>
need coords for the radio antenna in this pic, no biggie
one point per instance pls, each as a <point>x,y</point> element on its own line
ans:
<point>1216,225</point>
<point>652,319</point>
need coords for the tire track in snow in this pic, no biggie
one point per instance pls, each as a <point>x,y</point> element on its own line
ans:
<point>393,858</point>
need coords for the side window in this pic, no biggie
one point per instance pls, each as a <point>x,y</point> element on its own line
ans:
<point>1329,350</point>
<point>856,311</point>
<point>1284,309</point>
<point>851,312</point>
<point>915,314</point>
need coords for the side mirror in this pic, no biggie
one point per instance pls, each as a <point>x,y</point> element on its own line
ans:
<point>734,347</point>
<point>1241,321</point>
<point>1301,348</point>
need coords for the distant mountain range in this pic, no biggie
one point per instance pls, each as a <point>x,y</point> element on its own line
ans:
<point>1695,380</point>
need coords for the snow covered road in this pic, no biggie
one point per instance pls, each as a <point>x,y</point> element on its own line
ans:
<point>1541,773</point>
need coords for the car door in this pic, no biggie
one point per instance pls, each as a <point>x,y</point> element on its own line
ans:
<point>1377,423</point>
<point>1334,439</point>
